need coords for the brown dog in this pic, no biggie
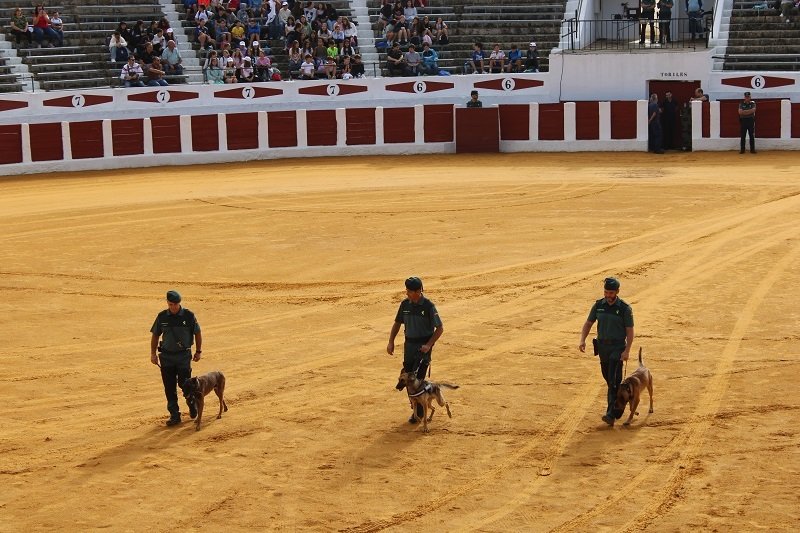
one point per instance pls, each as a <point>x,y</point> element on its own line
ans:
<point>630,390</point>
<point>421,392</point>
<point>197,387</point>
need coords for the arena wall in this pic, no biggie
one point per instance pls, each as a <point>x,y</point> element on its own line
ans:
<point>195,124</point>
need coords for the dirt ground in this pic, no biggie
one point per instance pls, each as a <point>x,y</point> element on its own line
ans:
<point>294,269</point>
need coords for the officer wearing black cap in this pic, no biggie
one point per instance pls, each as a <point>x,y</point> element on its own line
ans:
<point>423,327</point>
<point>177,329</point>
<point>614,320</point>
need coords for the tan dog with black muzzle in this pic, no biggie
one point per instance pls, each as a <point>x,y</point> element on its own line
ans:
<point>424,393</point>
<point>630,390</point>
<point>198,387</point>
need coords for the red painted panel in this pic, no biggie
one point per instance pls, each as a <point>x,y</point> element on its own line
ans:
<point>127,136</point>
<point>205,133</point>
<point>551,122</point>
<point>360,126</point>
<point>587,121</point>
<point>477,130</point>
<point>768,119</point>
<point>515,122</point>
<point>623,120</point>
<point>46,142</point>
<point>282,127</point>
<point>706,119</point>
<point>438,123</point>
<point>10,144</point>
<point>242,131</point>
<point>321,127</point>
<point>166,134</point>
<point>398,125</point>
<point>729,118</point>
<point>796,121</point>
<point>86,139</point>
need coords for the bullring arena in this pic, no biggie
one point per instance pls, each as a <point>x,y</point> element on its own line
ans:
<point>295,271</point>
<point>289,213</point>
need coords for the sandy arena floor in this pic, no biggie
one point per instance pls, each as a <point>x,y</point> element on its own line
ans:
<point>295,268</point>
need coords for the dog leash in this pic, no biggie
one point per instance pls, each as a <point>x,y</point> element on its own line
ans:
<point>625,370</point>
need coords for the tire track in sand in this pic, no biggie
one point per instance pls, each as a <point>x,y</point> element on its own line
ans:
<point>688,445</point>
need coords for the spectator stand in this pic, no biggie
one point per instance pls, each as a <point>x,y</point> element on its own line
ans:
<point>760,39</point>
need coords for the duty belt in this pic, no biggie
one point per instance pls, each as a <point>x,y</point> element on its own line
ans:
<point>178,352</point>
<point>611,341</point>
<point>420,340</point>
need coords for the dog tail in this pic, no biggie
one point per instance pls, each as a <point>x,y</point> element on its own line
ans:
<point>448,385</point>
<point>640,356</point>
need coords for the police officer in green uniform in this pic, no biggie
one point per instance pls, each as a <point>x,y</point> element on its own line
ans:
<point>423,327</point>
<point>614,320</point>
<point>178,329</point>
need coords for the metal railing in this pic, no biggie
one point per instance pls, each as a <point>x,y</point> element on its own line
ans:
<point>634,34</point>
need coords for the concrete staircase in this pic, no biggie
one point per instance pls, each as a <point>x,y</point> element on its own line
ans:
<point>759,39</point>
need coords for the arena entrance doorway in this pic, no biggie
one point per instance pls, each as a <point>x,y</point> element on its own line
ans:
<point>682,92</point>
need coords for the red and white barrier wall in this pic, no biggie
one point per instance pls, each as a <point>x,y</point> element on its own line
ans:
<point>124,128</point>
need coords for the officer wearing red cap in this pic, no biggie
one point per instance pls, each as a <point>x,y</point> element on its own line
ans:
<point>178,330</point>
<point>423,327</point>
<point>614,320</point>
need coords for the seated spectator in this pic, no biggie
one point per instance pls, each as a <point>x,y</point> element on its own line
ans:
<point>332,50</point>
<point>427,37</point>
<point>442,35</point>
<point>395,60</point>
<point>346,68</point>
<point>233,5</point>
<point>224,56</point>
<point>171,57</point>
<point>401,30</point>
<point>246,73</point>
<point>357,68</point>
<point>309,11</point>
<point>41,27</point>
<point>413,61</point>
<point>211,55</point>
<point>190,7</point>
<point>497,60</point>
<point>118,48</point>
<point>203,36</point>
<point>126,34</point>
<point>324,33</point>
<point>430,60</point>
<point>155,76</point>
<point>147,55</point>
<point>295,57</point>
<point>263,66</point>
<point>138,36</point>
<point>255,48</point>
<point>330,67</point>
<point>331,15</point>
<point>242,15</point>
<point>229,75</point>
<point>20,27</point>
<point>319,53</point>
<point>285,13</point>
<point>473,100</point>
<point>57,25</point>
<point>337,34</point>
<point>307,68</point>
<point>132,74</point>
<point>514,59</point>
<point>350,31</point>
<point>238,56</point>
<point>409,11</point>
<point>253,30</point>
<point>476,60</point>
<point>787,6</point>
<point>159,41</point>
<point>221,32</point>
<point>532,58</point>
<point>238,32</point>
<point>347,49</point>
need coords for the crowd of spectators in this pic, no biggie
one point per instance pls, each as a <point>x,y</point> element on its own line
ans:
<point>498,61</point>
<point>317,41</point>
<point>146,52</point>
<point>40,30</point>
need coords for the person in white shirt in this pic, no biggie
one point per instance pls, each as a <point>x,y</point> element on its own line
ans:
<point>132,74</point>
<point>115,46</point>
<point>307,68</point>
<point>496,60</point>
<point>57,25</point>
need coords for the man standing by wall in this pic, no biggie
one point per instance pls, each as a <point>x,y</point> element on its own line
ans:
<point>178,329</point>
<point>615,335</point>
<point>747,122</point>
<point>654,126</point>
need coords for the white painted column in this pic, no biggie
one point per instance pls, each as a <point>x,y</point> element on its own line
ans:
<point>714,117</point>
<point>222,132</point>
<point>263,131</point>
<point>570,128</point>
<point>786,119</point>
<point>419,124</point>
<point>186,134</point>
<point>697,121</point>
<point>641,120</point>
<point>533,122</point>
<point>66,141</point>
<point>379,125</point>
<point>147,131</point>
<point>26,142</point>
<point>302,129</point>
<point>341,126</point>
<point>604,114</point>
<point>108,139</point>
